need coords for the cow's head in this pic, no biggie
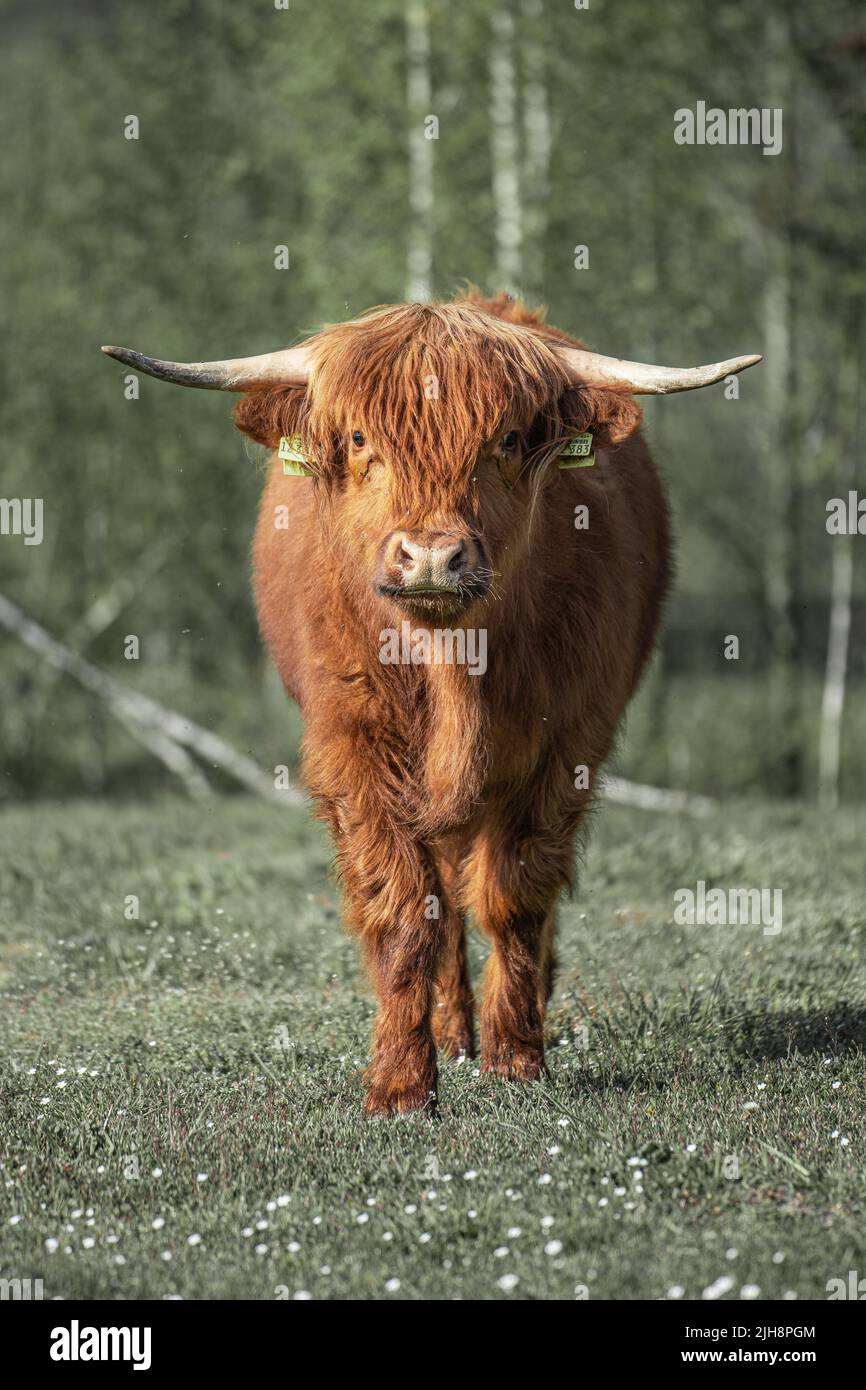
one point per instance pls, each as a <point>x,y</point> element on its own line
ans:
<point>431,432</point>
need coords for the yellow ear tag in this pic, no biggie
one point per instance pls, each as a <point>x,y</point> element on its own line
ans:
<point>578,452</point>
<point>295,461</point>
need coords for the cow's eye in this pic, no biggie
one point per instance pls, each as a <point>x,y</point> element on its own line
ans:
<point>510,440</point>
<point>357,439</point>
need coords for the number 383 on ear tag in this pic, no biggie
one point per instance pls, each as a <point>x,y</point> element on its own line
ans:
<point>295,461</point>
<point>578,452</point>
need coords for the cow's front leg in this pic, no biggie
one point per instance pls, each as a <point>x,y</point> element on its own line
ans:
<point>453,1008</point>
<point>390,886</point>
<point>512,1012</point>
<point>402,1074</point>
<point>513,885</point>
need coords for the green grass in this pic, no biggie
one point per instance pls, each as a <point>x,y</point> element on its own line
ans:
<point>223,1035</point>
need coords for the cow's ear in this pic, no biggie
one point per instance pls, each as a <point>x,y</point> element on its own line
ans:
<point>267,415</point>
<point>611,415</point>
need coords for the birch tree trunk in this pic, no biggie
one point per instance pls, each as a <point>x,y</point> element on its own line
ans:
<point>839,628</point>
<point>419,278</point>
<point>505,151</point>
<point>658,295</point>
<point>536,143</point>
<point>782,450</point>
<point>833,701</point>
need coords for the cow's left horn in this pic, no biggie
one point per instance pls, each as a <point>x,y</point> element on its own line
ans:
<point>289,367</point>
<point>644,378</point>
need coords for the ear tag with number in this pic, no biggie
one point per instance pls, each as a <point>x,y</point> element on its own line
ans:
<point>295,461</point>
<point>578,452</point>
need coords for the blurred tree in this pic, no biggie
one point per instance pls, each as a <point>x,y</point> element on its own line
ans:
<point>280,176</point>
<point>421,146</point>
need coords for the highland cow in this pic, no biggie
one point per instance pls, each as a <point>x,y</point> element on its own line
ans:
<point>457,468</point>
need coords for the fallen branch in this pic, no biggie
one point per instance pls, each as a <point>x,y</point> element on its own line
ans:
<point>647,798</point>
<point>171,755</point>
<point>167,734</point>
<point>102,612</point>
<point>154,725</point>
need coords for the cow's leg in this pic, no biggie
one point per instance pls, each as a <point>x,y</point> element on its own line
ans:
<point>402,1074</point>
<point>512,1012</point>
<point>453,1005</point>
<point>392,893</point>
<point>391,889</point>
<point>548,962</point>
<point>513,882</point>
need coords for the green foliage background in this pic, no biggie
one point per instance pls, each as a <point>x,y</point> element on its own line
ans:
<point>262,127</point>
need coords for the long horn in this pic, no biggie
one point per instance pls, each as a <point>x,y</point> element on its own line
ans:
<point>644,378</point>
<point>289,367</point>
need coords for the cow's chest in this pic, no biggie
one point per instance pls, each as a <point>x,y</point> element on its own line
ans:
<point>516,746</point>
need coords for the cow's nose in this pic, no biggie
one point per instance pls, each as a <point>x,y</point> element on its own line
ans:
<point>442,555</point>
<point>429,562</point>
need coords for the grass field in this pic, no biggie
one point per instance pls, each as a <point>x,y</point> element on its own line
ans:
<point>181,1111</point>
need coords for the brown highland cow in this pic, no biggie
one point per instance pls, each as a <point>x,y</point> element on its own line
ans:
<point>452,478</point>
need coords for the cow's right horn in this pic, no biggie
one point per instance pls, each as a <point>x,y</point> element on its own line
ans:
<point>644,378</point>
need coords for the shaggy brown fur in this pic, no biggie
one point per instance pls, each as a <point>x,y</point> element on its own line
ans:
<point>450,794</point>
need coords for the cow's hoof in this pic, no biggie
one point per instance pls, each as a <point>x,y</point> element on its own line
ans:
<point>513,1063</point>
<point>453,1036</point>
<point>416,1098</point>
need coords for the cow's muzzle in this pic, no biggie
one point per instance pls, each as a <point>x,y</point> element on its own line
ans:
<point>431,570</point>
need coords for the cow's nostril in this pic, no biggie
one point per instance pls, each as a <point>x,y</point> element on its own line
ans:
<point>404,558</point>
<point>457,560</point>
